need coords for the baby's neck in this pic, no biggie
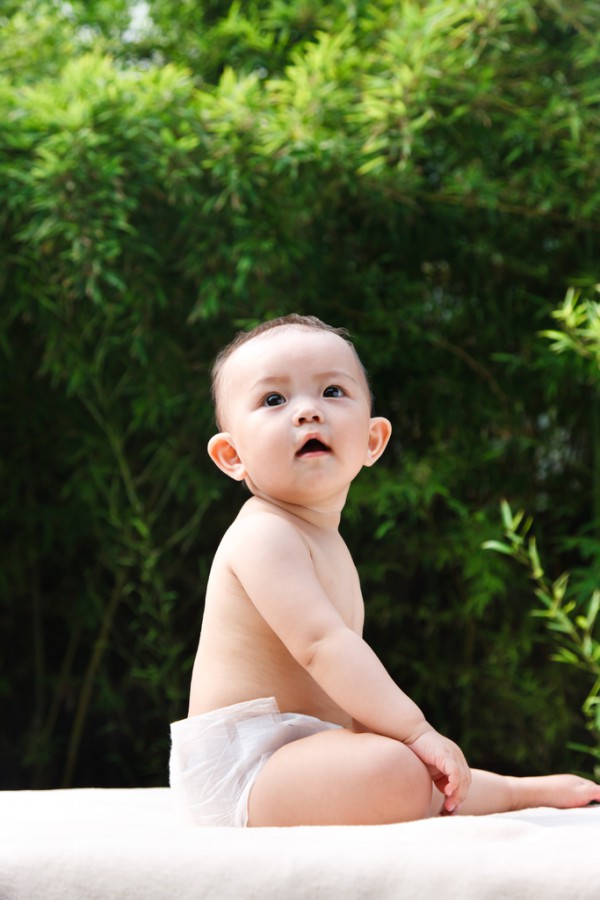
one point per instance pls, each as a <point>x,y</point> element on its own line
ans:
<point>327,517</point>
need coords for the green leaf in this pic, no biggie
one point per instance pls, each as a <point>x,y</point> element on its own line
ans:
<point>498,546</point>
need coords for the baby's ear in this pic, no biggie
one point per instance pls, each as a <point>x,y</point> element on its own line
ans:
<point>379,434</point>
<point>221,450</point>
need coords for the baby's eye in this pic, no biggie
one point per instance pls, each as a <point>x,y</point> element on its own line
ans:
<point>333,391</point>
<point>273,399</point>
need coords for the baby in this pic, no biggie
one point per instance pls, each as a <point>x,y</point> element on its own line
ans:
<point>293,720</point>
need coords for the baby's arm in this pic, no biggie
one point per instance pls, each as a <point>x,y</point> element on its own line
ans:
<point>273,563</point>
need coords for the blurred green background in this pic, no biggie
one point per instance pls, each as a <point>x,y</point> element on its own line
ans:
<point>424,173</point>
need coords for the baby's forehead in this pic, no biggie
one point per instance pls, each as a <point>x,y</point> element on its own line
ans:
<point>285,346</point>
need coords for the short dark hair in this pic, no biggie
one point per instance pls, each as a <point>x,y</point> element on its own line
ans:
<point>242,337</point>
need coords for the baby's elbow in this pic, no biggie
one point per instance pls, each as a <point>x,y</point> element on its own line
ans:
<point>316,652</point>
<point>305,654</point>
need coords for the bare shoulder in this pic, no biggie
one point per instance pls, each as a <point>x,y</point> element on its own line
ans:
<point>263,529</point>
<point>268,553</point>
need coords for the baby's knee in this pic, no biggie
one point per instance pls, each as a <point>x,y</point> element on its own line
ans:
<point>403,780</point>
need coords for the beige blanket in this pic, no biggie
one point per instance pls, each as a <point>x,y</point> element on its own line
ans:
<point>88,844</point>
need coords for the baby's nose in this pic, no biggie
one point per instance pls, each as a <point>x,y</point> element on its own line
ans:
<point>307,413</point>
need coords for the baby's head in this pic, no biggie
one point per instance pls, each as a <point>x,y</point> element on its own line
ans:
<point>309,323</point>
<point>293,406</point>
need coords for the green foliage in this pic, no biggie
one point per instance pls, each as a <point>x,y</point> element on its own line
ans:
<point>579,318</point>
<point>570,611</point>
<point>573,624</point>
<point>424,173</point>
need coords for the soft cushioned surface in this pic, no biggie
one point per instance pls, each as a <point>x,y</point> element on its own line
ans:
<point>102,844</point>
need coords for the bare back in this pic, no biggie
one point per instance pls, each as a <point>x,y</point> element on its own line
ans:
<point>240,656</point>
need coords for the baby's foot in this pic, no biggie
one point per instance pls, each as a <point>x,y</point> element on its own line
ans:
<point>559,791</point>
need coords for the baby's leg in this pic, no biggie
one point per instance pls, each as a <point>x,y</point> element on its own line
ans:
<point>491,793</point>
<point>341,778</point>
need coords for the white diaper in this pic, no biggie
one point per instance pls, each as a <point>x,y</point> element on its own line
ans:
<point>216,757</point>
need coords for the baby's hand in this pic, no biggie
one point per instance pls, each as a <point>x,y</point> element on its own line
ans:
<point>447,766</point>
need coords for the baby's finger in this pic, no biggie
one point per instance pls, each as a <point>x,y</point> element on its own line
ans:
<point>457,788</point>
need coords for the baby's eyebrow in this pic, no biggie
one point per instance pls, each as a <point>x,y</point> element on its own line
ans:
<point>256,390</point>
<point>335,375</point>
<point>268,381</point>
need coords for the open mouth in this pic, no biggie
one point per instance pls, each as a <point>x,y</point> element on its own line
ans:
<point>313,445</point>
